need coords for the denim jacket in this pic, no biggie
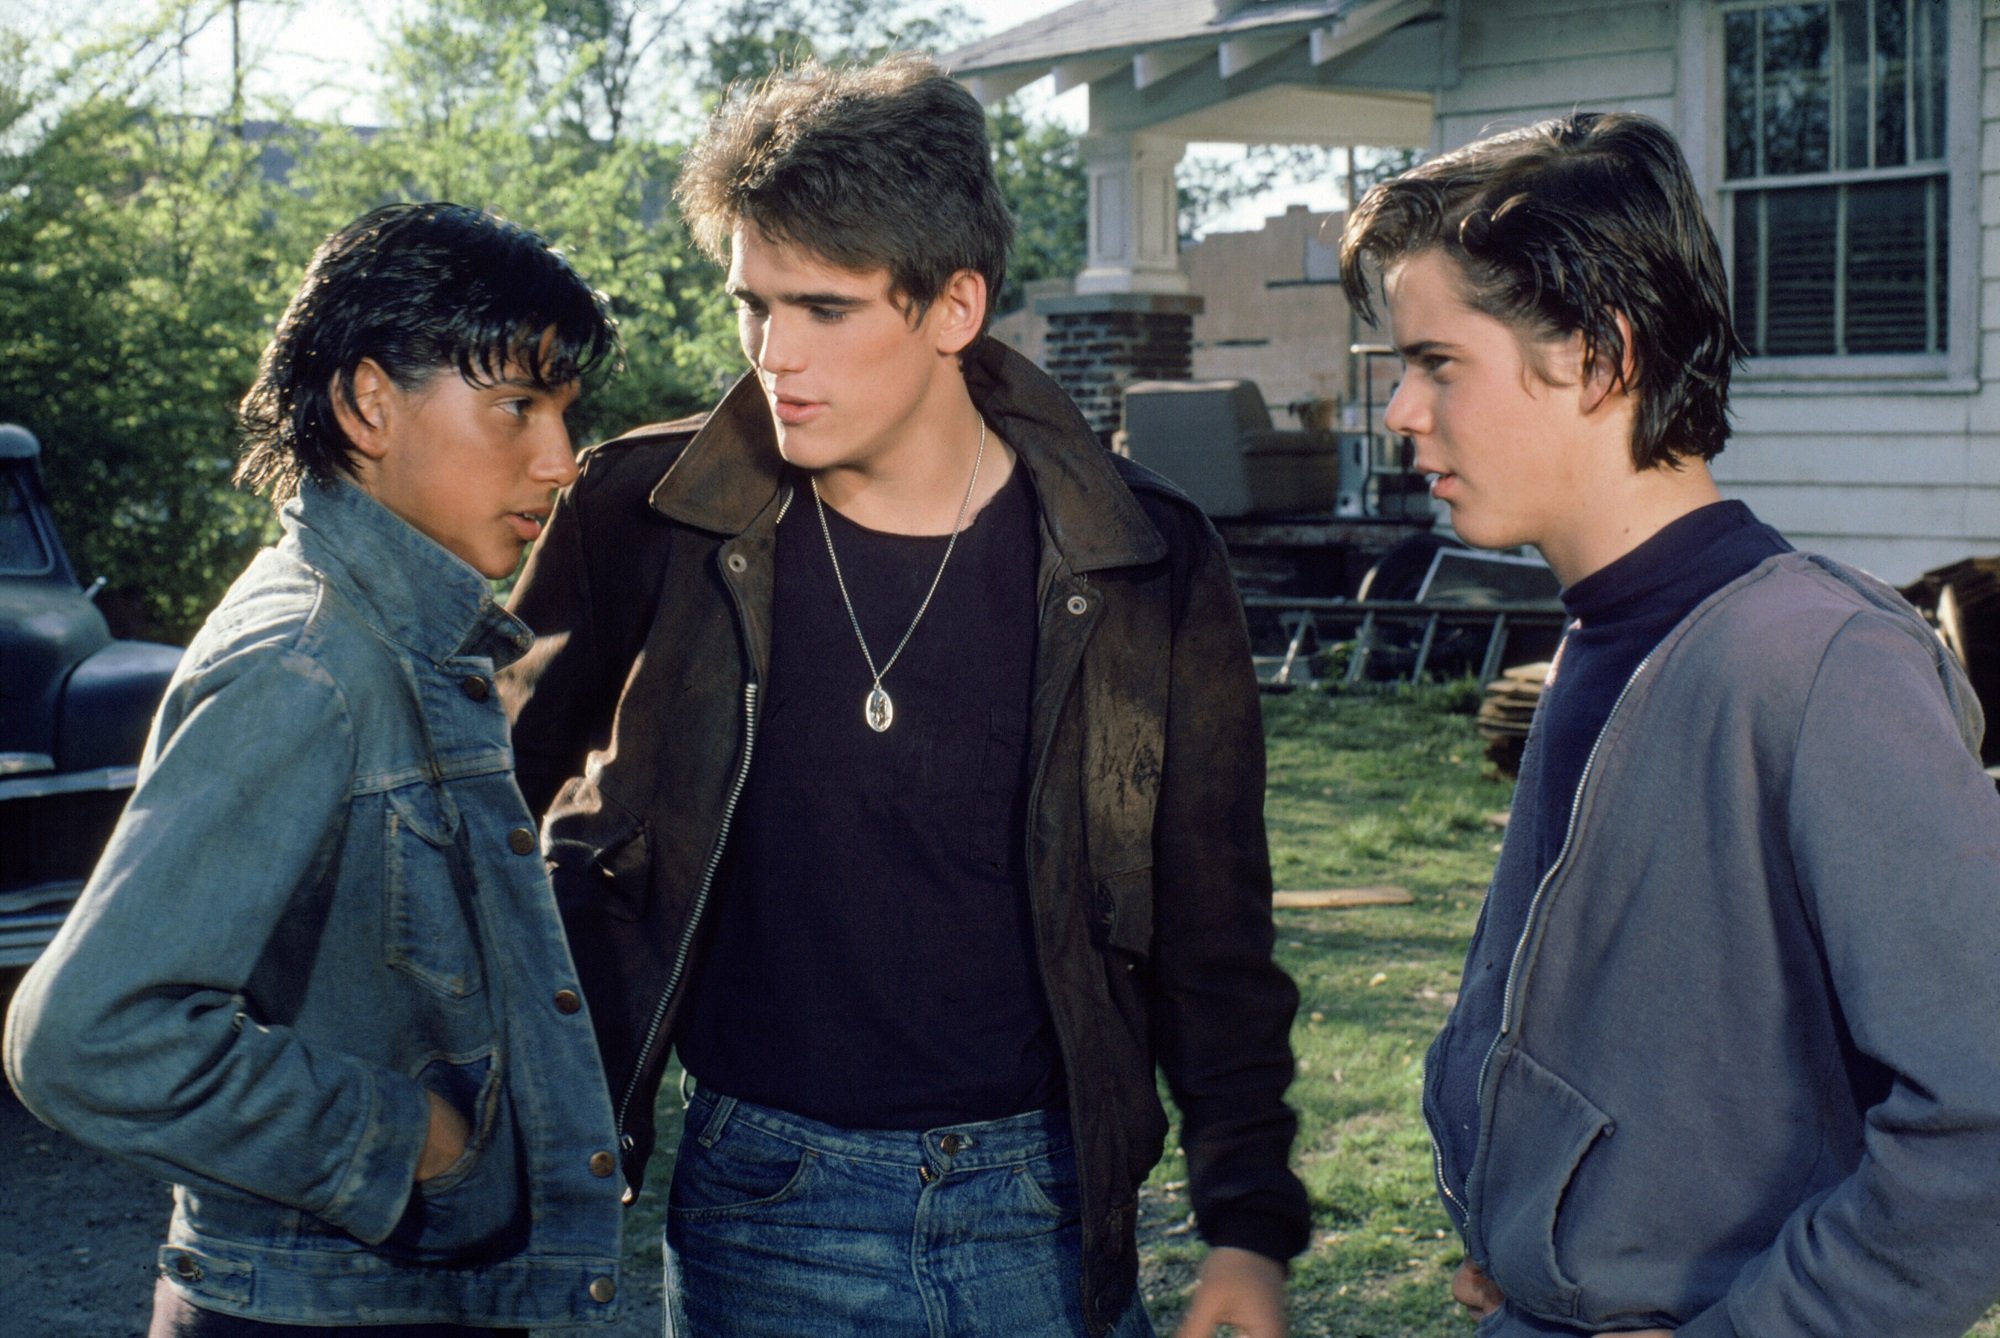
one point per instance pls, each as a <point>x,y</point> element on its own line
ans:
<point>324,898</point>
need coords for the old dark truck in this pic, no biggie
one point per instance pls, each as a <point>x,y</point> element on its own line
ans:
<point>75,705</point>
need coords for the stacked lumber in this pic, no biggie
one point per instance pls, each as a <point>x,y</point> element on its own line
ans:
<point>1342,898</point>
<point>1506,712</point>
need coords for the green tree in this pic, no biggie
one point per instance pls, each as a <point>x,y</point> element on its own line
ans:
<point>134,267</point>
<point>745,40</point>
<point>488,131</point>
<point>150,230</point>
<point>616,46</point>
<point>1042,175</point>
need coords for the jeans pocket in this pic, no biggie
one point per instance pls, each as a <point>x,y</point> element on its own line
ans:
<point>736,1169</point>
<point>1052,1186</point>
<point>428,938</point>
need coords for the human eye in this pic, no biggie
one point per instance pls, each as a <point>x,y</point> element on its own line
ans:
<point>514,406</point>
<point>828,315</point>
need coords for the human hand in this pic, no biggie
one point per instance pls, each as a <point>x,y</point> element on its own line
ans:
<point>1237,1287</point>
<point>444,1140</point>
<point>1475,1291</point>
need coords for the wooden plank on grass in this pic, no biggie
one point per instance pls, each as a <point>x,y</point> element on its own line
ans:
<point>1342,897</point>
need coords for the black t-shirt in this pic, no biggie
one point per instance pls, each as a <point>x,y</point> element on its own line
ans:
<point>871,960</point>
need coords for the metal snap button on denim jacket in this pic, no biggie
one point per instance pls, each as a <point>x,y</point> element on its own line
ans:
<point>325,897</point>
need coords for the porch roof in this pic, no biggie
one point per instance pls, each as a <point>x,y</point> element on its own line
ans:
<point>1249,71</point>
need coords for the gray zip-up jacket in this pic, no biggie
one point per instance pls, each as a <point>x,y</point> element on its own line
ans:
<point>1748,1078</point>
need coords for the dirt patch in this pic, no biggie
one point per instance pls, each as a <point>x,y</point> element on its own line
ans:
<point>1169,1252</point>
<point>83,1230</point>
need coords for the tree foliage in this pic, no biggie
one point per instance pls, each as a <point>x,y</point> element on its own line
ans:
<point>1211,187</point>
<point>135,270</point>
<point>146,248</point>
<point>151,230</point>
<point>744,41</point>
<point>1042,175</point>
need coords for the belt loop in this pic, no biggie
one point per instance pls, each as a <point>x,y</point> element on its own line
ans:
<point>725,1106</point>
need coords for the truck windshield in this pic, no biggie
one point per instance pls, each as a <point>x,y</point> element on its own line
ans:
<point>22,552</point>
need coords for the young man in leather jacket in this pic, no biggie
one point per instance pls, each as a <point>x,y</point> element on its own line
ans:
<point>903,769</point>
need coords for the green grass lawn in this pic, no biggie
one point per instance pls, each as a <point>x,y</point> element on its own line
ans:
<point>1383,788</point>
<point>1364,790</point>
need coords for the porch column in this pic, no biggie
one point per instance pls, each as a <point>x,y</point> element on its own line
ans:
<point>1099,343</point>
<point>1134,233</point>
<point>1131,317</point>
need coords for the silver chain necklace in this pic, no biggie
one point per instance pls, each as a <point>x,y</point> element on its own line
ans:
<point>878,710</point>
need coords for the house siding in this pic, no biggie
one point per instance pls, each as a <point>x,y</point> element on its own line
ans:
<point>1897,475</point>
<point>1521,61</point>
<point>1904,476</point>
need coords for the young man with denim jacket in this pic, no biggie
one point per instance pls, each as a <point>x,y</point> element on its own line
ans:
<point>904,773</point>
<point>317,979</point>
<point>1724,1060</point>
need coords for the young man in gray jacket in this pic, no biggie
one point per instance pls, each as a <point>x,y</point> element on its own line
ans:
<point>1725,1059</point>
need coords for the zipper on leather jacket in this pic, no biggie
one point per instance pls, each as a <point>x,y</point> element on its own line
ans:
<point>686,944</point>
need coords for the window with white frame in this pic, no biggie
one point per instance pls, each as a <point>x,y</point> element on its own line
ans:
<point>1835,181</point>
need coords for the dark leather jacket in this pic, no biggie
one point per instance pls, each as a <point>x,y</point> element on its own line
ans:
<point>636,722</point>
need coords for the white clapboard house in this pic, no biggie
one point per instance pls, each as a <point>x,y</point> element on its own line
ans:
<point>1849,151</point>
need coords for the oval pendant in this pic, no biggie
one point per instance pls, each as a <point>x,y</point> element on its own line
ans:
<point>879,711</point>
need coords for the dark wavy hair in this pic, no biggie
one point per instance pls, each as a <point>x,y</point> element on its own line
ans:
<point>418,288</point>
<point>1558,229</point>
<point>878,167</point>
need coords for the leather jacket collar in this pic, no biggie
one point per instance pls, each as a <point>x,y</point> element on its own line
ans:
<point>731,470</point>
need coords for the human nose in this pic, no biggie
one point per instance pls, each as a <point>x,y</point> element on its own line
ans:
<point>771,345</point>
<point>1408,414</point>
<point>555,456</point>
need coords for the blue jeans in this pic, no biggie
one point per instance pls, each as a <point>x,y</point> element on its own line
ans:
<point>778,1226</point>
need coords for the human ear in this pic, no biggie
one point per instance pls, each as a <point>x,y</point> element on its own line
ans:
<point>1600,384</point>
<point>362,409</point>
<point>961,310</point>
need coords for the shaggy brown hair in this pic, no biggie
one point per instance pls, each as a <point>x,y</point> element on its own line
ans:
<point>1560,228</point>
<point>880,167</point>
